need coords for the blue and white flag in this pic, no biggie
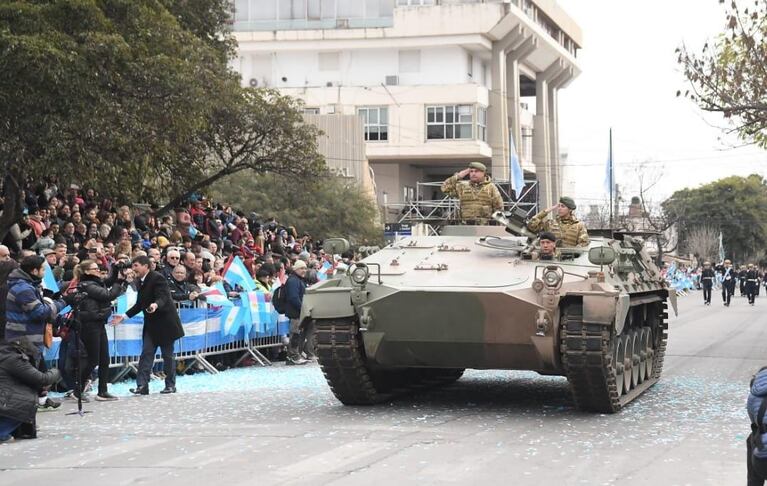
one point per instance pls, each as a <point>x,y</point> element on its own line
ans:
<point>609,181</point>
<point>515,169</point>
<point>231,321</point>
<point>49,281</point>
<point>236,274</point>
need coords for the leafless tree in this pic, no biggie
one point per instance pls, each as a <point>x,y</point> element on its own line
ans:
<point>703,241</point>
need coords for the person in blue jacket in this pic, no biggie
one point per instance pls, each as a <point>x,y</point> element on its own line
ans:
<point>756,444</point>
<point>294,296</point>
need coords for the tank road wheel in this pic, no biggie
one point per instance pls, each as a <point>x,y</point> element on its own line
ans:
<point>341,355</point>
<point>587,356</point>
<point>635,359</point>
<point>619,362</point>
<point>606,371</point>
<point>644,352</point>
<point>627,350</point>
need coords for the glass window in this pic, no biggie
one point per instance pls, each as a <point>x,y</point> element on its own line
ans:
<point>449,122</point>
<point>311,111</point>
<point>385,8</point>
<point>241,10</point>
<point>482,123</point>
<point>313,9</point>
<point>407,3</point>
<point>350,9</point>
<point>375,122</point>
<point>328,9</point>
<point>263,10</point>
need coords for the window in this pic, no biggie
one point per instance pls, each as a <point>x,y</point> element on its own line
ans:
<point>375,121</point>
<point>408,193</point>
<point>408,3</point>
<point>311,111</point>
<point>482,123</point>
<point>449,122</point>
<point>410,61</point>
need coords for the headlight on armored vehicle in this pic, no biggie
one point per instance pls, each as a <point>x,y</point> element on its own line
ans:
<point>552,276</point>
<point>360,274</point>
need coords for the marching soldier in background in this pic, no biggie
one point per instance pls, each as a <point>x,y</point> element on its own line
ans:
<point>752,283</point>
<point>727,276</point>
<point>707,282</point>
<point>742,280</point>
<point>563,224</point>
<point>478,196</point>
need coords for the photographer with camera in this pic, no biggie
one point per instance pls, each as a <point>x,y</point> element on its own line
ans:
<point>95,307</point>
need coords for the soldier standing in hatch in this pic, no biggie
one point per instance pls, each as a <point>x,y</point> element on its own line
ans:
<point>752,282</point>
<point>707,282</point>
<point>570,231</point>
<point>479,198</point>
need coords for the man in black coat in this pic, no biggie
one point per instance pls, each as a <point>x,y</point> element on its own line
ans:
<point>707,277</point>
<point>20,382</point>
<point>162,326</point>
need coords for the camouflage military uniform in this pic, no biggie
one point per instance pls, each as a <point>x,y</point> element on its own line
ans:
<point>569,231</point>
<point>478,200</point>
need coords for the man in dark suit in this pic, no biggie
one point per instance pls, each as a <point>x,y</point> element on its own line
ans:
<point>162,325</point>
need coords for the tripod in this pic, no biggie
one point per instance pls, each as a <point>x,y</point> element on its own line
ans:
<point>75,328</point>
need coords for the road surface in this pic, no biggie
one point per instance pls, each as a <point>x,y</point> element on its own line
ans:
<point>281,425</point>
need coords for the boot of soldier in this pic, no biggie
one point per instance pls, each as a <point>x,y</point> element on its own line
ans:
<point>294,351</point>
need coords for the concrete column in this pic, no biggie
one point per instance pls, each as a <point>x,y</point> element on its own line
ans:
<point>517,54</point>
<point>497,124</point>
<point>498,109</point>
<point>556,169</point>
<point>542,156</point>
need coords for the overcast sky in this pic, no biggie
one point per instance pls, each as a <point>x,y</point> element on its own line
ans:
<point>629,82</point>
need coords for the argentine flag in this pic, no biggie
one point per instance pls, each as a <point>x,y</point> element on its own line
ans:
<point>236,274</point>
<point>49,281</point>
<point>515,170</point>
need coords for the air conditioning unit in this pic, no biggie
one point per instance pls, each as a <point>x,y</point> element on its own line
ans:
<point>329,84</point>
<point>342,23</point>
<point>392,80</point>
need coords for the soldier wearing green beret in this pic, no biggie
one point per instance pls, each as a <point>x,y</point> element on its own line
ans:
<point>569,230</point>
<point>478,196</point>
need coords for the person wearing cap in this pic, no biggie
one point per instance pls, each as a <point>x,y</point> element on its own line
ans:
<point>752,283</point>
<point>479,198</point>
<point>295,287</point>
<point>727,276</point>
<point>567,229</point>
<point>707,282</point>
<point>548,244</point>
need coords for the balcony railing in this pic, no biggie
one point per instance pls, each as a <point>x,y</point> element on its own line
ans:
<point>303,24</point>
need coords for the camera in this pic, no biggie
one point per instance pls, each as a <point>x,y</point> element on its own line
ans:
<point>120,266</point>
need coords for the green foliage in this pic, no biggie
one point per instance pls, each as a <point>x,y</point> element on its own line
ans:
<point>736,206</point>
<point>324,206</point>
<point>729,76</point>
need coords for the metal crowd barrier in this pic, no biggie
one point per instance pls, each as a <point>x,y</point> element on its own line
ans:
<point>190,348</point>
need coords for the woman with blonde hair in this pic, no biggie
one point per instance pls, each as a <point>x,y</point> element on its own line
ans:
<point>94,310</point>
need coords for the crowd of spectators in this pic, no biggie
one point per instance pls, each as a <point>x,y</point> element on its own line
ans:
<point>189,246</point>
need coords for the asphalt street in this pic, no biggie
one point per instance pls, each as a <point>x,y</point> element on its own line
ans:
<point>281,425</point>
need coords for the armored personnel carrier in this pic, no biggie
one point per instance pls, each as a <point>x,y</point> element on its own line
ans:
<point>420,311</point>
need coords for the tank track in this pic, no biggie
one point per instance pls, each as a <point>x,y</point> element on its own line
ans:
<point>341,355</point>
<point>588,355</point>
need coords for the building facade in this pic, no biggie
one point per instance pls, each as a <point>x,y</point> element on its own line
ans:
<point>436,83</point>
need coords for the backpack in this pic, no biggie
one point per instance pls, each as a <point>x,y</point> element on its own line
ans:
<point>280,299</point>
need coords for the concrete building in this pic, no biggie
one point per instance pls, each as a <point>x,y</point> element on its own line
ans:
<point>437,83</point>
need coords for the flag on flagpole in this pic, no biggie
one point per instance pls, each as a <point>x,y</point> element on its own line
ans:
<point>49,281</point>
<point>322,273</point>
<point>515,169</point>
<point>608,183</point>
<point>236,274</point>
<point>721,248</point>
<point>216,295</point>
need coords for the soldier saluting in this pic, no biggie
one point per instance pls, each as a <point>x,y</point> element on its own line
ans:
<point>567,229</point>
<point>479,198</point>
